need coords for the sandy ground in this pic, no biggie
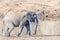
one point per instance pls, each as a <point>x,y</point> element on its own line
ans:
<point>31,38</point>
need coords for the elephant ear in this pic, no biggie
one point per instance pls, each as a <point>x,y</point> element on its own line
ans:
<point>29,16</point>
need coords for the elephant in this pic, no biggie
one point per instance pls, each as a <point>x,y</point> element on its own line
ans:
<point>21,20</point>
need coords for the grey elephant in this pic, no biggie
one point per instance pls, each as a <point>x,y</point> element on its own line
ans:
<point>22,19</point>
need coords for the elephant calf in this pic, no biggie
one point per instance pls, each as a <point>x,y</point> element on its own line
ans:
<point>23,19</point>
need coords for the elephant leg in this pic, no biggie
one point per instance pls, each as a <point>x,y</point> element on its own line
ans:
<point>9,28</point>
<point>35,30</point>
<point>20,30</point>
<point>6,31</point>
<point>28,28</point>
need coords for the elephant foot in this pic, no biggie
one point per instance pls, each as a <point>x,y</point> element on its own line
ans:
<point>29,34</point>
<point>7,34</point>
<point>18,35</point>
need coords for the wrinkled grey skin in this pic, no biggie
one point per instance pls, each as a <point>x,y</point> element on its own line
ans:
<point>12,20</point>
